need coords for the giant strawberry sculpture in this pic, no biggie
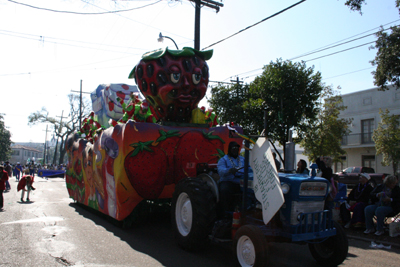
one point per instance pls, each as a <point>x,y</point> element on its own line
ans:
<point>173,81</point>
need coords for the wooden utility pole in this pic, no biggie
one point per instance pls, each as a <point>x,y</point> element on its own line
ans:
<point>80,107</point>
<point>45,147</point>
<point>80,104</point>
<point>59,132</point>
<point>208,3</point>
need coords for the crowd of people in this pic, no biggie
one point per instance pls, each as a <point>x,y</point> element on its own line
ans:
<point>365,204</point>
<point>25,183</point>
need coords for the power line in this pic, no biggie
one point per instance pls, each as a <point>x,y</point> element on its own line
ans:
<point>57,40</point>
<point>348,73</point>
<point>248,27</point>
<point>352,36</point>
<point>327,47</point>
<point>336,45</point>
<point>340,51</point>
<point>82,13</point>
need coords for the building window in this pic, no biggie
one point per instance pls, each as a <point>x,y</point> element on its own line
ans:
<point>367,127</point>
<point>369,161</point>
<point>367,101</point>
<point>15,153</point>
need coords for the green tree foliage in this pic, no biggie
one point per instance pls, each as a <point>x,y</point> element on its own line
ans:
<point>387,139</point>
<point>327,131</point>
<point>62,128</point>
<point>227,102</point>
<point>386,60</point>
<point>288,93</point>
<point>5,141</point>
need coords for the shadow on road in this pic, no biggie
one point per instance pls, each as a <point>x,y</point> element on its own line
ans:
<point>155,238</point>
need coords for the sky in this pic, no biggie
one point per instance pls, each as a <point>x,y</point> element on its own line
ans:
<point>44,54</point>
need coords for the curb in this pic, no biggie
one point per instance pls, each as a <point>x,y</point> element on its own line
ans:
<point>369,240</point>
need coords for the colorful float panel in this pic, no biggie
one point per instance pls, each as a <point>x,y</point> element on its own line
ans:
<point>137,160</point>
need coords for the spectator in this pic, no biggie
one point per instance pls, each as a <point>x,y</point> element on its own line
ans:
<point>8,169</point>
<point>302,167</point>
<point>356,202</point>
<point>325,171</point>
<point>18,170</point>
<point>3,179</point>
<point>386,199</point>
<point>31,170</point>
<point>25,184</point>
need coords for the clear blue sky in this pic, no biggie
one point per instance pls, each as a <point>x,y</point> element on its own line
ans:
<point>45,54</point>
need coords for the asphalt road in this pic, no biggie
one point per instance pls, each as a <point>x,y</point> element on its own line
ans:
<point>52,230</point>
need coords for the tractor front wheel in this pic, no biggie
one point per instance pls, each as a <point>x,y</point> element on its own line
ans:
<point>332,251</point>
<point>250,246</point>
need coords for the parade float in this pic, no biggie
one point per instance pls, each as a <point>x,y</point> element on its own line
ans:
<point>131,148</point>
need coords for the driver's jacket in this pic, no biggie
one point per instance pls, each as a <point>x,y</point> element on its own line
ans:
<point>226,163</point>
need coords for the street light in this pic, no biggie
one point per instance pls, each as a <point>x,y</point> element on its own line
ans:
<point>161,39</point>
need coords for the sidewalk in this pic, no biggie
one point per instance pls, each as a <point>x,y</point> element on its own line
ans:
<point>385,239</point>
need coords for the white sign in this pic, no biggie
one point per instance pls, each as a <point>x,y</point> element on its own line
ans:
<point>266,184</point>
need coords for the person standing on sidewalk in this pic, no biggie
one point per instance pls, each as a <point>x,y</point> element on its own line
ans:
<point>8,169</point>
<point>18,170</point>
<point>3,179</point>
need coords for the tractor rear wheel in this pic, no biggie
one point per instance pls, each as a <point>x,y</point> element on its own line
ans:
<point>193,213</point>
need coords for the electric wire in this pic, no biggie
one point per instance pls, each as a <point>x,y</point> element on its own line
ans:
<point>248,27</point>
<point>57,40</point>
<point>83,13</point>
<point>328,47</point>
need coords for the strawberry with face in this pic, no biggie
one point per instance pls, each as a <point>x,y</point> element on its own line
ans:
<point>173,81</point>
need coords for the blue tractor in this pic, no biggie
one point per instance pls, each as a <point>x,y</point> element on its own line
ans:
<point>301,219</point>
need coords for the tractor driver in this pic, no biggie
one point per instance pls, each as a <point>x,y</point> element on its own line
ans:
<point>231,171</point>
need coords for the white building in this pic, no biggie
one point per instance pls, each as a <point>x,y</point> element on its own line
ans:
<point>363,107</point>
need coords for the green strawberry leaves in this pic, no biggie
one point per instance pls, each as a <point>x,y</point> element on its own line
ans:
<point>211,136</point>
<point>220,153</point>
<point>139,147</point>
<point>164,135</point>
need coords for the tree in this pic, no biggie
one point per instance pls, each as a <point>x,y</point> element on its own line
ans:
<point>227,102</point>
<point>5,141</point>
<point>387,139</point>
<point>288,92</point>
<point>326,133</point>
<point>62,128</point>
<point>386,60</point>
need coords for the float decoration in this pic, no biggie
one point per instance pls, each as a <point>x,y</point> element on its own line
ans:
<point>131,148</point>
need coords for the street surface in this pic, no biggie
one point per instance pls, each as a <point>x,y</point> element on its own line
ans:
<point>52,230</point>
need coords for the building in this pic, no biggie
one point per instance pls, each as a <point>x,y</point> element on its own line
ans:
<point>23,153</point>
<point>363,107</point>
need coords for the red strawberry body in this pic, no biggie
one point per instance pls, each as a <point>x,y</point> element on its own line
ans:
<point>146,171</point>
<point>195,147</point>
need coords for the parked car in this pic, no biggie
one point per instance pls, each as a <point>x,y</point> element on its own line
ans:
<point>350,175</point>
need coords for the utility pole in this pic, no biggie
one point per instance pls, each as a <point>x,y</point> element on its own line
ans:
<point>80,103</point>
<point>208,3</point>
<point>80,107</point>
<point>45,147</point>
<point>238,83</point>
<point>59,132</point>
